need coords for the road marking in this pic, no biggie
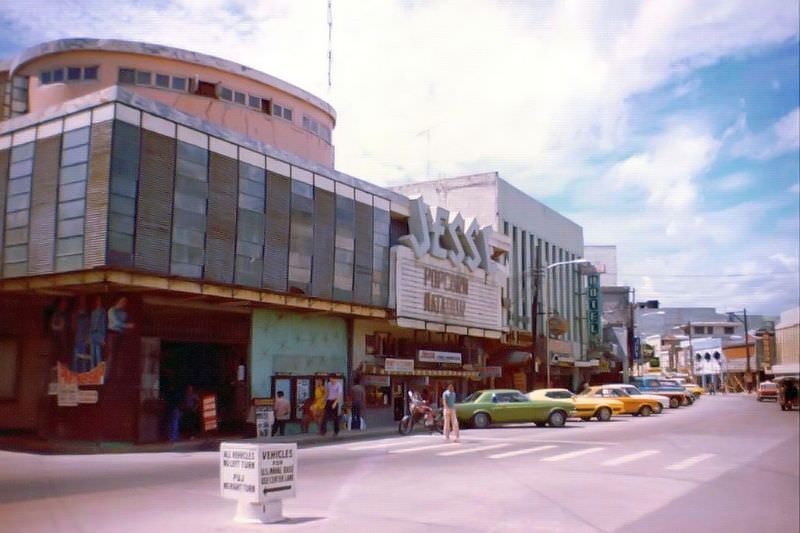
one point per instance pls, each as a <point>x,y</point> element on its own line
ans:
<point>521,452</point>
<point>420,448</point>
<point>570,455</point>
<point>629,458</point>
<point>691,461</point>
<point>472,450</point>
<point>381,445</point>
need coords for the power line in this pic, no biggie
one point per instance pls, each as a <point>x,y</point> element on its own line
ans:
<point>628,274</point>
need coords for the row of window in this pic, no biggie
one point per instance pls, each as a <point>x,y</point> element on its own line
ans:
<point>203,88</point>
<point>68,74</point>
<point>709,330</point>
<point>320,130</point>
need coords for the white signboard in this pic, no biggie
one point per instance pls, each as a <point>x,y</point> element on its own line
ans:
<point>436,291</point>
<point>431,356</point>
<point>398,365</point>
<point>256,473</point>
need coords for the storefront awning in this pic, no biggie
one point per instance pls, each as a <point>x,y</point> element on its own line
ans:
<point>380,371</point>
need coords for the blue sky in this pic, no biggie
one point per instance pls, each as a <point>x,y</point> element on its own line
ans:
<point>669,129</point>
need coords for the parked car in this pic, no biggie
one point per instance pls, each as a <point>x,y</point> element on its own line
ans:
<point>787,392</point>
<point>634,405</point>
<point>663,401</point>
<point>585,407</point>
<point>498,406</point>
<point>671,382</point>
<point>677,395</point>
<point>767,390</point>
<point>694,388</point>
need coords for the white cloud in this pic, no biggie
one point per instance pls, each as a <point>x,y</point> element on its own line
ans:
<point>794,189</point>
<point>782,137</point>
<point>732,182</point>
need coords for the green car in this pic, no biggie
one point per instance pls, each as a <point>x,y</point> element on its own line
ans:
<point>500,406</point>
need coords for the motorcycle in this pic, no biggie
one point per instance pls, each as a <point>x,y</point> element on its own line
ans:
<point>420,412</point>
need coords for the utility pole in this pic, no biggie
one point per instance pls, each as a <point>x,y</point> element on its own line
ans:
<point>629,357</point>
<point>747,351</point>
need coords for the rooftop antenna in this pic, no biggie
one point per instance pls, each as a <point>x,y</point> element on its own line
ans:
<point>330,42</point>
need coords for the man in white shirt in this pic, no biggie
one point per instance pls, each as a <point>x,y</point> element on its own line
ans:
<point>282,412</point>
<point>333,393</point>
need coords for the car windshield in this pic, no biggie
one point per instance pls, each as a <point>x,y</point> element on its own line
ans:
<point>632,391</point>
<point>560,394</point>
<point>768,386</point>
<point>472,397</point>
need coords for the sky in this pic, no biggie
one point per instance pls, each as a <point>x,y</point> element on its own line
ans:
<point>669,129</point>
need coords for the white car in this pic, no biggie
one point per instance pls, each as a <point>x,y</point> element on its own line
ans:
<point>663,401</point>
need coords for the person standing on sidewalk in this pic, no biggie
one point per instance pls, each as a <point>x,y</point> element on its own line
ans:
<point>282,411</point>
<point>450,419</point>
<point>333,392</point>
<point>357,395</point>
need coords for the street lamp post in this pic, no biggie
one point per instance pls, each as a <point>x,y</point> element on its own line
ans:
<point>544,305</point>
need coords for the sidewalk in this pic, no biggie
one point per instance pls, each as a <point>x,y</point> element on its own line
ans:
<point>33,444</point>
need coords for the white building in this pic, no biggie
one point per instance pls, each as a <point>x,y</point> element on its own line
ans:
<point>787,340</point>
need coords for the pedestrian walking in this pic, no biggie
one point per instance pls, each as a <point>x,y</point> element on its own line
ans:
<point>282,411</point>
<point>357,396</point>
<point>333,394</point>
<point>450,419</point>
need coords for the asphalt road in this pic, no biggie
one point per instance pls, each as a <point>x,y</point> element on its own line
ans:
<point>728,463</point>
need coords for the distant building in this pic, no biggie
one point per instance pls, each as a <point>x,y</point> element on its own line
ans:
<point>787,333</point>
<point>604,258</point>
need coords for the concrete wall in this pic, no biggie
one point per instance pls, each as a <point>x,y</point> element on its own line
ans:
<point>294,343</point>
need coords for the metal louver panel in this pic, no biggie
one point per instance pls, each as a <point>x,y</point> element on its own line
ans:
<point>154,209</point>
<point>276,242</point>
<point>362,277</point>
<point>324,226</point>
<point>44,194</point>
<point>221,231</point>
<point>97,186</point>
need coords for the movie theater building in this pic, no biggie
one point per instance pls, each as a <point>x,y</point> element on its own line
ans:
<point>174,219</point>
<point>538,237</point>
<point>446,280</point>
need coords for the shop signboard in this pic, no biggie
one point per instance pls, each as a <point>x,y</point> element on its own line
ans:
<point>375,381</point>
<point>490,371</point>
<point>432,356</point>
<point>398,365</point>
<point>208,404</point>
<point>265,416</point>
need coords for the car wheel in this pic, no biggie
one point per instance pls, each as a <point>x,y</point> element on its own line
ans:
<point>760,399</point>
<point>674,402</point>
<point>659,409</point>
<point>604,414</point>
<point>646,410</point>
<point>481,421</point>
<point>557,419</point>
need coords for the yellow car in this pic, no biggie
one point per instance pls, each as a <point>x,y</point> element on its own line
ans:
<point>585,407</point>
<point>633,405</point>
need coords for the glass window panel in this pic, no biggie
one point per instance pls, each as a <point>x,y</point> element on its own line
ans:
<point>75,208</point>
<point>15,269</point>
<point>58,75</point>
<point>277,109</point>
<point>187,270</point>
<point>79,154</point>
<point>248,250</point>
<point>187,236</point>
<point>73,73</point>
<point>162,80</point>
<point>90,73</point>
<point>302,275</point>
<point>190,152</point>
<point>252,203</point>
<point>22,168</point>
<point>122,205</point>
<point>124,187</point>
<point>226,94</point>
<point>251,173</point>
<point>191,170</point>
<point>19,185</point>
<point>300,259</point>
<point>70,228</point>
<point>120,242</point>
<point>187,219</point>
<point>190,203</point>
<point>254,101</point>
<point>191,187</point>
<point>17,220</point>
<point>126,75</point>
<point>302,189</point>
<point>15,254</point>
<point>72,191</point>
<point>251,188</point>
<point>143,78</point>
<point>187,254</point>
<point>122,223</point>
<point>69,262</point>
<point>287,113</point>
<point>45,77</point>
<point>21,152</point>
<point>17,202</point>
<point>75,138</point>
<point>69,246</point>
<point>16,236</point>
<point>179,84</point>
<point>73,173</point>
<point>239,98</point>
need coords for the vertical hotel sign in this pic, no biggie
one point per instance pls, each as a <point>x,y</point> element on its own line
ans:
<point>595,314</point>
